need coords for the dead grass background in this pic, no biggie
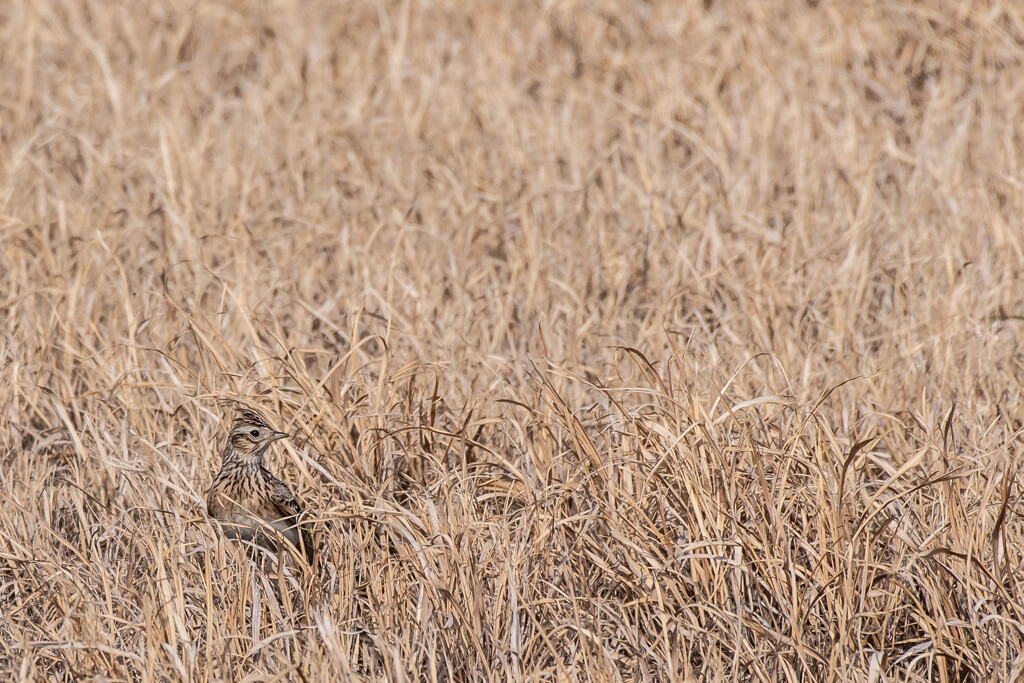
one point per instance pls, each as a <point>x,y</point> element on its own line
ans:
<point>623,341</point>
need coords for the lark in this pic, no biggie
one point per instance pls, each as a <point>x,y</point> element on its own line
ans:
<point>252,504</point>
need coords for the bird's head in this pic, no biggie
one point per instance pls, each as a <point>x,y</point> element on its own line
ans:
<point>251,435</point>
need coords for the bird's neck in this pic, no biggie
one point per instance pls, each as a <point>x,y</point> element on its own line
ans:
<point>232,457</point>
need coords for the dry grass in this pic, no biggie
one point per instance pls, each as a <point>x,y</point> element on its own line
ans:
<point>624,341</point>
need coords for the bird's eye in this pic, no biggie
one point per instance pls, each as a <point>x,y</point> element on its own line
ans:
<point>254,433</point>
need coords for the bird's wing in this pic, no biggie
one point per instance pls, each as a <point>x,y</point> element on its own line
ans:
<point>290,509</point>
<point>285,502</point>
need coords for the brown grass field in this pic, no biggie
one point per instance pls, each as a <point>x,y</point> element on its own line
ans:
<point>621,341</point>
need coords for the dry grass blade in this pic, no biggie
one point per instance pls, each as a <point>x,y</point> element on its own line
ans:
<point>620,341</point>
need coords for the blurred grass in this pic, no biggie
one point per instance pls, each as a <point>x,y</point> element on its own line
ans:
<point>623,341</point>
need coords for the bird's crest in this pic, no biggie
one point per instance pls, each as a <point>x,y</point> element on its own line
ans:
<point>247,416</point>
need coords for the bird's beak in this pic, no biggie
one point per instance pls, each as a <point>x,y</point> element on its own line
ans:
<point>274,436</point>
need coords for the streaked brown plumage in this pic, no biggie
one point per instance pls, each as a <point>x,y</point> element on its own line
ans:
<point>252,504</point>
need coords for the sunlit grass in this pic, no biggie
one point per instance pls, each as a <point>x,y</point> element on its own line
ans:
<point>621,341</point>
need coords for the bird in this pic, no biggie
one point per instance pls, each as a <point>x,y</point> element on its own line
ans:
<point>252,504</point>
